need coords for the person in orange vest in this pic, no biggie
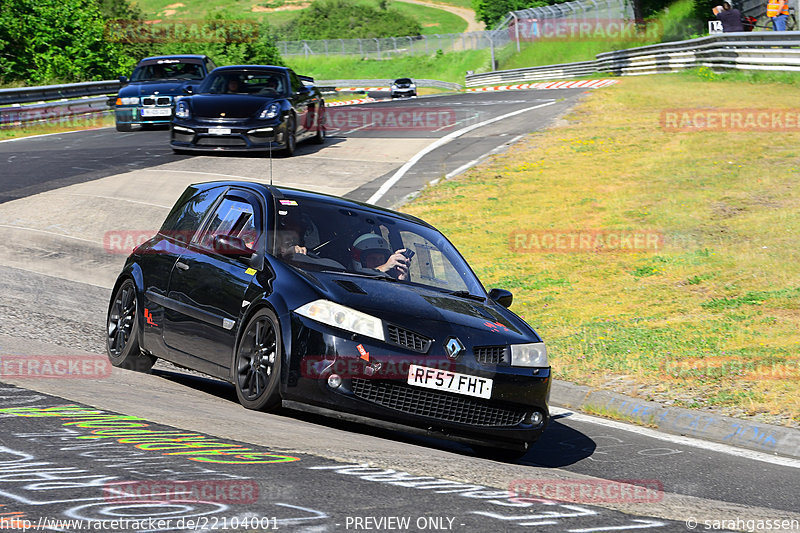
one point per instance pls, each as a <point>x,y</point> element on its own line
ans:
<point>778,11</point>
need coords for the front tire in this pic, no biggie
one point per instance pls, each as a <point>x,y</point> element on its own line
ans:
<point>291,138</point>
<point>124,127</point>
<point>123,328</point>
<point>258,363</point>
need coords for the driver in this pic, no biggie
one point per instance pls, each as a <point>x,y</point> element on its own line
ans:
<point>371,251</point>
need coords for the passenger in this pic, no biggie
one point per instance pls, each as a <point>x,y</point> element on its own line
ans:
<point>371,251</point>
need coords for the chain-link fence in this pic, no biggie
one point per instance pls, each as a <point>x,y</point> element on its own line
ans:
<point>392,46</point>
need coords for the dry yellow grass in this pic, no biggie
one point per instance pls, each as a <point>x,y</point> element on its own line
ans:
<point>712,317</point>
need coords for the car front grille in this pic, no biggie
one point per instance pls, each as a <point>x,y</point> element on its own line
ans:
<point>408,339</point>
<point>221,141</point>
<point>490,355</point>
<point>157,100</point>
<point>434,404</point>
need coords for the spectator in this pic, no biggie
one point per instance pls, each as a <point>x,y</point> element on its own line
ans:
<point>778,11</point>
<point>730,18</point>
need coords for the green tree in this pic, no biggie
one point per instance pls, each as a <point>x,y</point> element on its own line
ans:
<point>347,19</point>
<point>55,40</point>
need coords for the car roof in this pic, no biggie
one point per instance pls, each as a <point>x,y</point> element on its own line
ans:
<point>252,67</point>
<point>299,194</point>
<point>182,57</point>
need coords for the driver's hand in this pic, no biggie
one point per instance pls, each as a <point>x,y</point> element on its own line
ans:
<point>399,263</point>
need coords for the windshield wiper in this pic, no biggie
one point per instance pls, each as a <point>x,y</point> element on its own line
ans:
<point>467,294</point>
<point>381,275</point>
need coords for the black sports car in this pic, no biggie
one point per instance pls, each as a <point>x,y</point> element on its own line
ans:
<point>295,297</point>
<point>252,107</point>
<point>149,96</point>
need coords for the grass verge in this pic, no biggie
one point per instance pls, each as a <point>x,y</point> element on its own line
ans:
<point>709,319</point>
<point>66,125</point>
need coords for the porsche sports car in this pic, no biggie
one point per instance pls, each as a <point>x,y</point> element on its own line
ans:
<point>251,107</point>
<point>304,299</point>
<point>403,87</point>
<point>149,96</point>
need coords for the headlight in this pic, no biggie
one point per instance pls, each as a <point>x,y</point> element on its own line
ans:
<point>342,317</point>
<point>182,110</point>
<point>271,111</point>
<point>128,100</point>
<point>412,86</point>
<point>532,355</point>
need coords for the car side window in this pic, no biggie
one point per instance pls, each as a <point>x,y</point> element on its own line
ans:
<point>297,84</point>
<point>185,218</point>
<point>234,217</point>
<point>210,65</point>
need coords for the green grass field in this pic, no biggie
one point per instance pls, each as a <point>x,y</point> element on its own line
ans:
<point>446,67</point>
<point>709,319</point>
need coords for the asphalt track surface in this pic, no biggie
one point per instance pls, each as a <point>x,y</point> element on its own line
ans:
<point>48,469</point>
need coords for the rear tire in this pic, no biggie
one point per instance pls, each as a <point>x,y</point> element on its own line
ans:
<point>319,138</point>
<point>123,328</point>
<point>258,363</point>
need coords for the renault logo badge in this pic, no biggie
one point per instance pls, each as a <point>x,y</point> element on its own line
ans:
<point>453,348</point>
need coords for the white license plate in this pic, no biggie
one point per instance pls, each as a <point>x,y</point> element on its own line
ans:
<point>219,131</point>
<point>156,112</point>
<point>436,379</point>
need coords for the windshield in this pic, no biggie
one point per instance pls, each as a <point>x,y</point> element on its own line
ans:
<point>317,236</point>
<point>168,71</point>
<point>254,82</point>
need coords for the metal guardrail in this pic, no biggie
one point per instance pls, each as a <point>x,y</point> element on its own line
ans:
<point>16,114</point>
<point>21,95</point>
<point>386,82</point>
<point>742,51</point>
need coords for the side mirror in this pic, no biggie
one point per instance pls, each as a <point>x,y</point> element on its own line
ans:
<point>123,80</point>
<point>231,246</point>
<point>189,89</point>
<point>501,296</point>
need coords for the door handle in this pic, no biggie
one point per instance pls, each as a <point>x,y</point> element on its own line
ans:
<point>182,266</point>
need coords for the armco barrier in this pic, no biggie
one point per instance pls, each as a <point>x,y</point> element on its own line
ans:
<point>743,51</point>
<point>22,95</point>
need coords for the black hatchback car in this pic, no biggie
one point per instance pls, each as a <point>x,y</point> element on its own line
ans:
<point>148,98</point>
<point>303,298</point>
<point>249,108</point>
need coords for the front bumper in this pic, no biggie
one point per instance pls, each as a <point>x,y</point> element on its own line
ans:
<point>403,93</point>
<point>378,387</point>
<point>227,137</point>
<point>143,115</point>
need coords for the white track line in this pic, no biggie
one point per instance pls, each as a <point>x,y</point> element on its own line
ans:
<point>441,142</point>
<point>678,439</point>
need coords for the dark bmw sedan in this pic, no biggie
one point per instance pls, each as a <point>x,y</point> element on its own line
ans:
<point>249,108</point>
<point>148,98</point>
<point>312,301</point>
